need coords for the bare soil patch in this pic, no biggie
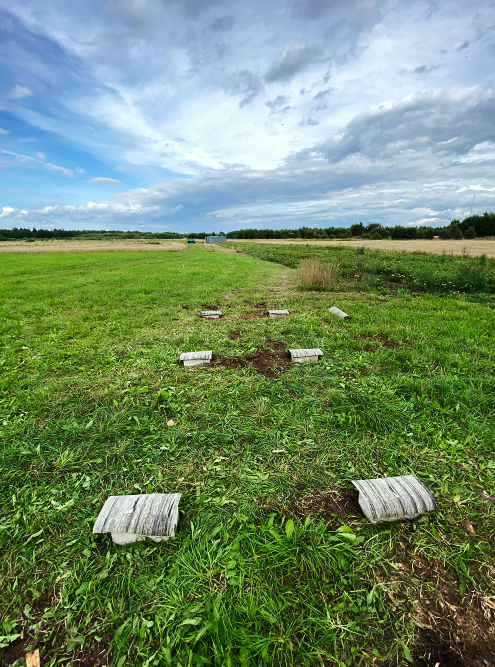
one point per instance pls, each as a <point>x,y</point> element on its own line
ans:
<point>475,247</point>
<point>90,246</point>
<point>382,339</point>
<point>253,316</point>
<point>96,655</point>
<point>453,630</point>
<point>334,506</point>
<point>267,361</point>
<point>234,335</point>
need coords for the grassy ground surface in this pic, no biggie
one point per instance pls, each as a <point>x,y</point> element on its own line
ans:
<point>271,565</point>
<point>372,270</point>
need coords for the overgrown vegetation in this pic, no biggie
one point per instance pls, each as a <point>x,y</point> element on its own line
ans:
<point>261,572</point>
<point>317,275</point>
<point>369,270</point>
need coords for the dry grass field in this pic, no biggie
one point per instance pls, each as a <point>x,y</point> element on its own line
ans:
<point>70,245</point>
<point>474,248</point>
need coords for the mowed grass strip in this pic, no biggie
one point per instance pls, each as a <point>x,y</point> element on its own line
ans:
<point>257,574</point>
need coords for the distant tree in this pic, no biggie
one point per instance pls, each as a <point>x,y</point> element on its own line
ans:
<point>470,233</point>
<point>357,229</point>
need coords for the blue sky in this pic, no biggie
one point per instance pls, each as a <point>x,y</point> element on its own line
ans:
<point>194,115</point>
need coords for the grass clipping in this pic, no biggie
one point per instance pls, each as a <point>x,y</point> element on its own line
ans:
<point>317,276</point>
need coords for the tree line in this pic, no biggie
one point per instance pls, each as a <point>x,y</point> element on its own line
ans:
<point>471,227</point>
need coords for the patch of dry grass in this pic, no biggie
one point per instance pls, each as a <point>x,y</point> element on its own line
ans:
<point>317,275</point>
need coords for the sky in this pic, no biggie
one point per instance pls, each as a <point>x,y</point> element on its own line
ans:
<point>213,115</point>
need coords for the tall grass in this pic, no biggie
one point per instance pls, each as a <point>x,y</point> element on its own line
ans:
<point>323,268</point>
<point>317,275</point>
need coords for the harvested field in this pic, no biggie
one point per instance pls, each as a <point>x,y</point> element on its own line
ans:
<point>90,246</point>
<point>475,248</point>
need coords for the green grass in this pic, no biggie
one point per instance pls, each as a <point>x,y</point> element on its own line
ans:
<point>367,269</point>
<point>89,350</point>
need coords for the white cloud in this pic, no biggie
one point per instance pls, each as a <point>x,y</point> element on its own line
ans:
<point>19,92</point>
<point>6,210</point>
<point>104,181</point>
<point>41,156</point>
<point>477,188</point>
<point>2,131</point>
<point>68,173</point>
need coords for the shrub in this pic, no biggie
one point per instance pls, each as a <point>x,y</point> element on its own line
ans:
<point>470,233</point>
<point>376,237</point>
<point>317,275</point>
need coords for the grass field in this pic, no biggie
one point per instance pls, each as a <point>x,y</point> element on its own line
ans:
<point>272,563</point>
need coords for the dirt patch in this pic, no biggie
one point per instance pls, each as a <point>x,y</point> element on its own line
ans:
<point>334,506</point>
<point>453,630</point>
<point>268,361</point>
<point>260,304</point>
<point>208,307</point>
<point>234,335</point>
<point>253,316</point>
<point>98,655</point>
<point>379,338</point>
<point>95,656</point>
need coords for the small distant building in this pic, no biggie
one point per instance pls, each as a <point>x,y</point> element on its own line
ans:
<point>215,239</point>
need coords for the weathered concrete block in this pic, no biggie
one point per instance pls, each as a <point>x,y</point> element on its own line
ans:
<point>303,355</point>
<point>339,313</point>
<point>211,314</point>
<point>132,518</point>
<point>394,498</point>
<point>278,313</point>
<point>196,358</point>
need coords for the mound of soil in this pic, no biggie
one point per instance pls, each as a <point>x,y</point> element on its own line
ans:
<point>261,304</point>
<point>331,505</point>
<point>234,335</point>
<point>267,361</point>
<point>380,338</point>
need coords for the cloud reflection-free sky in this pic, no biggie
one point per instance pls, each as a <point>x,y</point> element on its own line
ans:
<point>193,115</point>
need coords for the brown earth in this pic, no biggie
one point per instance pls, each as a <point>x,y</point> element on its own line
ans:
<point>334,506</point>
<point>475,247</point>
<point>96,655</point>
<point>453,630</point>
<point>234,335</point>
<point>380,338</point>
<point>267,361</point>
<point>89,246</point>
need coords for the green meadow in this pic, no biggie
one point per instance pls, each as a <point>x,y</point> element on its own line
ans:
<point>267,567</point>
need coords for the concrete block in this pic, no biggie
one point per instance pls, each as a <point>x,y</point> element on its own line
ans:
<point>339,313</point>
<point>303,355</point>
<point>394,498</point>
<point>133,518</point>
<point>196,358</point>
